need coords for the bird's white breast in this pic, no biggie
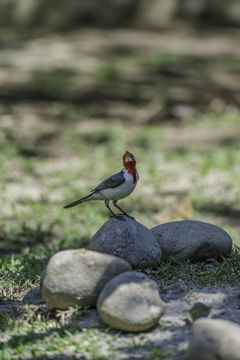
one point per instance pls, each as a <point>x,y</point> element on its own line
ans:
<point>121,191</point>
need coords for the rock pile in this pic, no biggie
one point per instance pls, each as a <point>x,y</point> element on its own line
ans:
<point>128,300</point>
<point>76,277</point>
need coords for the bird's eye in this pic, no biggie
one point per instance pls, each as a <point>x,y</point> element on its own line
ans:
<point>128,158</point>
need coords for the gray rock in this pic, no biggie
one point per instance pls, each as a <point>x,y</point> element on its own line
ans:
<point>199,310</point>
<point>129,240</point>
<point>194,240</point>
<point>76,277</point>
<point>130,302</point>
<point>33,296</point>
<point>213,339</point>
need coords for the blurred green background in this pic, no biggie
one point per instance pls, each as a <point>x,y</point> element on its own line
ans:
<point>81,82</point>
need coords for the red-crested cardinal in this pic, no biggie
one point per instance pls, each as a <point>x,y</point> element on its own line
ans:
<point>116,187</point>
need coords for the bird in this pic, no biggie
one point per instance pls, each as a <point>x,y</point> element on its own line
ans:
<point>114,188</point>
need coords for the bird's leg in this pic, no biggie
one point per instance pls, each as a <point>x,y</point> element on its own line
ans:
<point>107,205</point>
<point>123,212</point>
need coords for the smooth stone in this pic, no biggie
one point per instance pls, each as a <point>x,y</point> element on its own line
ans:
<point>76,277</point>
<point>130,302</point>
<point>213,339</point>
<point>193,240</point>
<point>128,239</point>
<point>199,310</point>
<point>33,296</point>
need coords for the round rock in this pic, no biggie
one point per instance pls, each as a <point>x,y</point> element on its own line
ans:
<point>213,339</point>
<point>130,302</point>
<point>128,239</point>
<point>76,277</point>
<point>194,240</point>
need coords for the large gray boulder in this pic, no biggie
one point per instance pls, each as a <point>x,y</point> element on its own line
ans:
<point>129,240</point>
<point>194,240</point>
<point>213,339</point>
<point>76,277</point>
<point>130,302</point>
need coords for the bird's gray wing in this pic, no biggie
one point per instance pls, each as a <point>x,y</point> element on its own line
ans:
<point>111,182</point>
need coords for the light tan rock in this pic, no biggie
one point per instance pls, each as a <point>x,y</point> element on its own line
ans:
<point>76,277</point>
<point>130,302</point>
<point>213,339</point>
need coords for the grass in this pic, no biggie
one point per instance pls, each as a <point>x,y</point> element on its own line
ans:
<point>52,84</point>
<point>57,340</point>
<point>34,225</point>
<point>201,274</point>
<point>108,72</point>
<point>164,60</point>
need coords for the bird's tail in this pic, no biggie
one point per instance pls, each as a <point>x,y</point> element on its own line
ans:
<point>74,203</point>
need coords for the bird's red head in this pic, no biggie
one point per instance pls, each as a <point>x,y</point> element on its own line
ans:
<point>129,161</point>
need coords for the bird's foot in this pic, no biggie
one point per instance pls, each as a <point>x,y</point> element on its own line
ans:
<point>131,217</point>
<point>118,217</point>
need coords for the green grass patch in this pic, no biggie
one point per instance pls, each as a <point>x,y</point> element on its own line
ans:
<point>209,273</point>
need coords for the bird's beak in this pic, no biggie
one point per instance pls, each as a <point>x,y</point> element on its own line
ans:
<point>128,159</point>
